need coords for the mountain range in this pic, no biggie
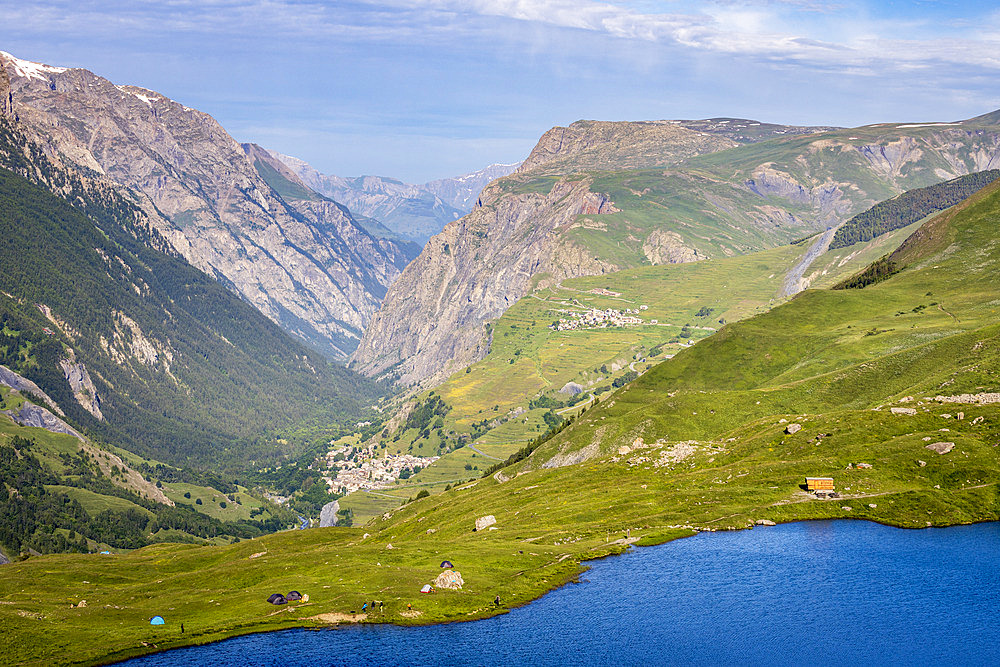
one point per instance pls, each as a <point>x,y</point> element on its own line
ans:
<point>599,197</point>
<point>299,258</point>
<point>645,330</point>
<point>415,212</point>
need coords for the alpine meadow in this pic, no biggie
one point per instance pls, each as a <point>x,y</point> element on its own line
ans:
<point>415,315</point>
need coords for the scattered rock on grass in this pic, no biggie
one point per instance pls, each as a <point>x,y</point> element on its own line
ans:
<point>941,447</point>
<point>793,428</point>
<point>903,411</point>
<point>484,522</point>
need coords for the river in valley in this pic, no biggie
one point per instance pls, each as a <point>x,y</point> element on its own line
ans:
<point>824,592</point>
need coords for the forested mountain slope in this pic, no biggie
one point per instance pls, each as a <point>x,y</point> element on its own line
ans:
<point>303,262</point>
<point>596,198</point>
<point>134,344</point>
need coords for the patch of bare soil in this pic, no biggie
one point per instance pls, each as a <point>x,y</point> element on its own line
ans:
<point>336,617</point>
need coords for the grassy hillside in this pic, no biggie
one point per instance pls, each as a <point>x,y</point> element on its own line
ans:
<point>925,331</point>
<point>501,403</point>
<point>186,372</point>
<point>719,437</point>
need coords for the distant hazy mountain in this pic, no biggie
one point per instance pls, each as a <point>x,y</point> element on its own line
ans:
<point>300,258</point>
<point>415,212</point>
<point>463,191</point>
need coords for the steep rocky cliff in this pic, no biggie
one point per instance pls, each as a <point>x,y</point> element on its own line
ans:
<point>303,262</point>
<point>596,197</point>
<point>471,273</point>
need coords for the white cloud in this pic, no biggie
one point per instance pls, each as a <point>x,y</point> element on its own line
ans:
<point>809,32</point>
<point>816,33</point>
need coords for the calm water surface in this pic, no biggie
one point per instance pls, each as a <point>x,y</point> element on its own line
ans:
<point>832,592</point>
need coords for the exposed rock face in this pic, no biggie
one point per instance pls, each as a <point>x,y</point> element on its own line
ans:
<point>435,317</point>
<point>328,515</point>
<point>300,259</point>
<point>9,378</point>
<point>666,247</point>
<point>83,387</point>
<point>37,416</point>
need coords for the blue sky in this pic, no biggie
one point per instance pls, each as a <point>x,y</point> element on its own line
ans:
<point>423,89</point>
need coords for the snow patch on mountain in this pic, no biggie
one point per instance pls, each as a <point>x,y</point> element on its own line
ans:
<point>32,70</point>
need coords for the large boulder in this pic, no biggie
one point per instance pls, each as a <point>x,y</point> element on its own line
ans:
<point>571,388</point>
<point>484,522</point>
<point>449,579</point>
<point>328,515</point>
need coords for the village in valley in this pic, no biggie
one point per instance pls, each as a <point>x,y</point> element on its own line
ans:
<point>351,468</point>
<point>597,319</point>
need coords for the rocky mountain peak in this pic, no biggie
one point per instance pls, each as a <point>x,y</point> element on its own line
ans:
<point>301,259</point>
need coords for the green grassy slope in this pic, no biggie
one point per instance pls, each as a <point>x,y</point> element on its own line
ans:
<point>703,295</point>
<point>58,486</point>
<point>704,441</point>
<point>925,331</point>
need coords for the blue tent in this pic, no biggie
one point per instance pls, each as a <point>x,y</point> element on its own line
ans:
<point>157,620</point>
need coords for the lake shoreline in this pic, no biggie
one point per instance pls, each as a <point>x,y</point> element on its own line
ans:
<point>484,614</point>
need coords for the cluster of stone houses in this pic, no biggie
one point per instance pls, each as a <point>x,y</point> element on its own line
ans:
<point>597,319</point>
<point>361,468</point>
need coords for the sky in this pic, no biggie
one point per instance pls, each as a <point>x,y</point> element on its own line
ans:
<point>425,89</point>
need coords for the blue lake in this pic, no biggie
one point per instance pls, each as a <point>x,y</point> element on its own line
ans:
<point>830,592</point>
